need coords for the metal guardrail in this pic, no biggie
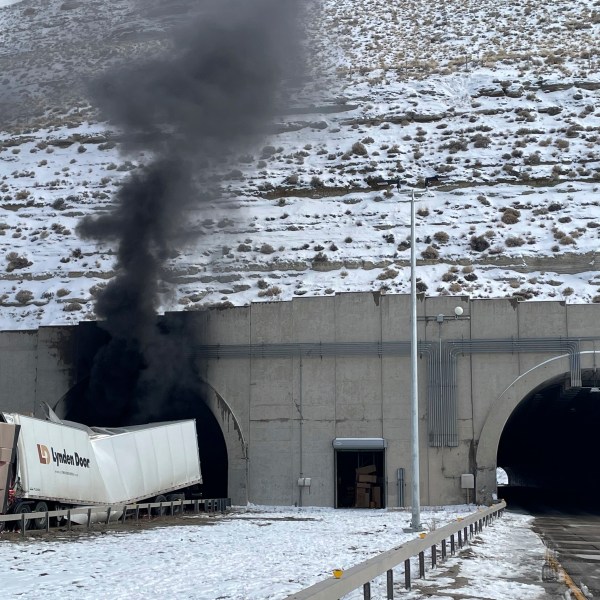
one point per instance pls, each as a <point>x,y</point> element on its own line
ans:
<point>166,508</point>
<point>361,575</point>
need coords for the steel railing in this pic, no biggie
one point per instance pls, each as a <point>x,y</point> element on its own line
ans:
<point>457,534</point>
<point>118,512</point>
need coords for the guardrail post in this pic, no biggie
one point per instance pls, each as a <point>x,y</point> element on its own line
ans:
<point>433,556</point>
<point>390,584</point>
<point>452,548</point>
<point>172,504</point>
<point>407,573</point>
<point>69,519</point>
<point>196,506</point>
<point>460,542</point>
<point>471,529</point>
<point>466,536</point>
<point>137,513</point>
<point>47,522</point>
<point>182,507</point>
<point>107,515</point>
<point>89,517</point>
<point>23,522</point>
<point>367,591</point>
<point>124,515</point>
<point>443,549</point>
<point>422,565</point>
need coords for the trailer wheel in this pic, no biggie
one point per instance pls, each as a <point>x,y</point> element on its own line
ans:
<point>177,498</point>
<point>21,508</point>
<point>160,512</point>
<point>40,523</point>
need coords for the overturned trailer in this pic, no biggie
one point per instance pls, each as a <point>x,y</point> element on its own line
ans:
<point>53,464</point>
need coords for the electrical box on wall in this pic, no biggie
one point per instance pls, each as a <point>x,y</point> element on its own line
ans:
<point>467,481</point>
<point>304,481</point>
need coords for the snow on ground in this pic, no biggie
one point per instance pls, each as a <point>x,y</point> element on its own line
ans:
<point>262,553</point>
<point>507,117</point>
<point>500,101</point>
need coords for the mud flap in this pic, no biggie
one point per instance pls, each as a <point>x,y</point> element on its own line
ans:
<point>9,434</point>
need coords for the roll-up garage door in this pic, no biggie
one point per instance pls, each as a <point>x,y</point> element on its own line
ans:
<point>360,472</point>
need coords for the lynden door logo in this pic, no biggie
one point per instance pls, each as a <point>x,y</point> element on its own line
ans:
<point>44,454</point>
<point>54,456</point>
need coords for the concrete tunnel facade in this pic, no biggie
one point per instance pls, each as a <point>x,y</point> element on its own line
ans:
<point>312,396</point>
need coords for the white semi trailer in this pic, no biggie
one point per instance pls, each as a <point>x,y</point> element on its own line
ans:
<point>51,464</point>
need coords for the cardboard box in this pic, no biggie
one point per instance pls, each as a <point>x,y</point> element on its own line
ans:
<point>376,496</point>
<point>362,485</point>
<point>366,478</point>
<point>362,498</point>
<point>366,470</point>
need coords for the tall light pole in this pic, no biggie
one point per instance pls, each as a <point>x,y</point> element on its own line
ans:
<point>415,523</point>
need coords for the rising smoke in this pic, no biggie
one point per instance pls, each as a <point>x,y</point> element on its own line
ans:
<point>212,96</point>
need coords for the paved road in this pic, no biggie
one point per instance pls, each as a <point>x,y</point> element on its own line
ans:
<point>576,539</point>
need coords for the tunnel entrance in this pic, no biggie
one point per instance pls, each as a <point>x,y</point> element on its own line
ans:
<point>186,403</point>
<point>548,448</point>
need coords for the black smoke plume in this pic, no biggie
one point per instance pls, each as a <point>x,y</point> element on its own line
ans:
<point>213,94</point>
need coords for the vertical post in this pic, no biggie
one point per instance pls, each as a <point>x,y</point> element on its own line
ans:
<point>23,524</point>
<point>443,549</point>
<point>452,549</point>
<point>196,506</point>
<point>466,536</point>
<point>422,565</point>
<point>47,522</point>
<point>367,591</point>
<point>69,519</point>
<point>433,556</point>
<point>407,574</point>
<point>400,477</point>
<point>89,517</point>
<point>137,513</point>
<point>107,515</point>
<point>460,543</point>
<point>390,584</point>
<point>416,492</point>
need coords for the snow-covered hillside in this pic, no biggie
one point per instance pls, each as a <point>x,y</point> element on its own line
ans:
<point>498,101</point>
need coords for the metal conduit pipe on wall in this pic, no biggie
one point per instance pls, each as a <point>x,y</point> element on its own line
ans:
<point>443,418</point>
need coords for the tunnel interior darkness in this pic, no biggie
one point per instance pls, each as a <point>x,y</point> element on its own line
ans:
<point>75,406</point>
<point>549,447</point>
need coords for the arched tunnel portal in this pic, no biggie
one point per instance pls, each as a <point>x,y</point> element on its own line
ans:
<point>549,446</point>
<point>212,446</point>
<point>218,440</point>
